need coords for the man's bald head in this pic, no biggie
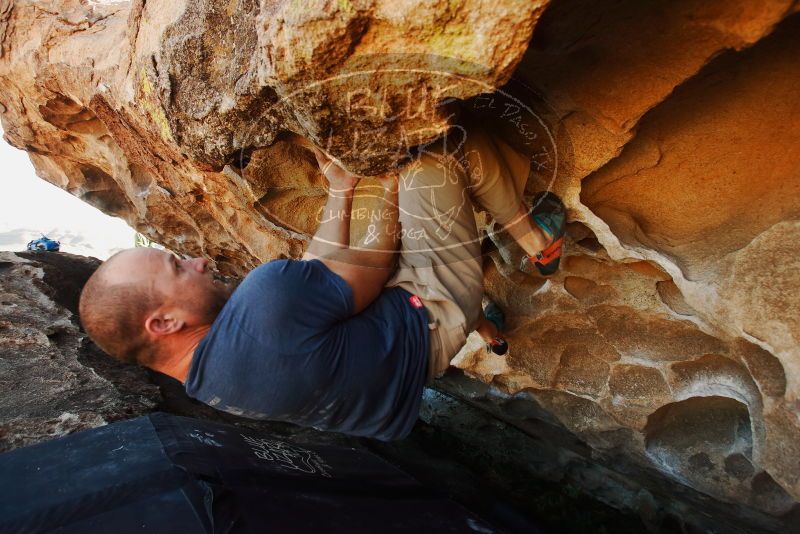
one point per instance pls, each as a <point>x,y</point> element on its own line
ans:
<point>140,297</point>
<point>114,304</point>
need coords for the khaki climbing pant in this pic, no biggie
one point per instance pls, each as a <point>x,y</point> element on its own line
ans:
<point>440,261</point>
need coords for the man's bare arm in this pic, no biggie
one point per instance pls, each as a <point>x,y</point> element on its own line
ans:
<point>367,266</point>
<point>333,232</point>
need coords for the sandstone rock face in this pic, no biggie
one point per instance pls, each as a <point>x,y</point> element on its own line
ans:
<point>154,111</point>
<point>670,335</point>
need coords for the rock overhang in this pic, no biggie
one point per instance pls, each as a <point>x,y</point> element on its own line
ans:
<point>670,140</point>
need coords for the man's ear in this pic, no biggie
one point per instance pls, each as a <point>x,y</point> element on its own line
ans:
<point>161,324</point>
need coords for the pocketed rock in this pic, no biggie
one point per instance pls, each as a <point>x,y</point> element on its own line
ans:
<point>668,128</point>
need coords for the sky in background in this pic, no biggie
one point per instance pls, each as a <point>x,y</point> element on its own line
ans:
<point>29,207</point>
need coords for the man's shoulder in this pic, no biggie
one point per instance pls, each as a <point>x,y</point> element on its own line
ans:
<point>283,266</point>
<point>272,270</point>
<point>259,302</point>
<point>285,280</point>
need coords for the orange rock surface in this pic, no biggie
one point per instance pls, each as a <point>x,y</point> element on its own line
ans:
<point>671,333</point>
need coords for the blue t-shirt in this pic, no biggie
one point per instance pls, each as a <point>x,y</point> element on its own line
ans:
<point>287,347</point>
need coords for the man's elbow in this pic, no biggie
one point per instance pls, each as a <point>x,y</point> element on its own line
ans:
<point>366,279</point>
<point>366,288</point>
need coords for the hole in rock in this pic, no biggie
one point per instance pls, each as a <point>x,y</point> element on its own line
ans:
<point>693,437</point>
<point>672,297</point>
<point>66,114</point>
<point>738,466</point>
<point>101,191</point>
<point>579,231</point>
<point>701,462</point>
<point>241,158</point>
<point>591,244</point>
<point>58,337</point>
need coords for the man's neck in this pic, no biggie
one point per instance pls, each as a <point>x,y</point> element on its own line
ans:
<point>180,351</point>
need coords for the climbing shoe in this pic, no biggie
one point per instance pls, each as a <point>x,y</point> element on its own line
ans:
<point>495,315</point>
<point>549,214</point>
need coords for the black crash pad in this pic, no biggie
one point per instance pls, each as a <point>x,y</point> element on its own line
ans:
<point>164,473</point>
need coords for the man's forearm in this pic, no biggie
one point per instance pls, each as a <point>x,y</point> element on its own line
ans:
<point>378,247</point>
<point>369,264</point>
<point>334,228</point>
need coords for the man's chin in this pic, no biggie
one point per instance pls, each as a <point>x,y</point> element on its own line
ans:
<point>215,301</point>
<point>223,287</point>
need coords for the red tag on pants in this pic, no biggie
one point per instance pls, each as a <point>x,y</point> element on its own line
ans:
<point>415,301</point>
